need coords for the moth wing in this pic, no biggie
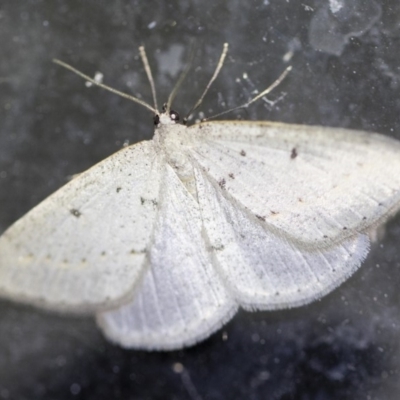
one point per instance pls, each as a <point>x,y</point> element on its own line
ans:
<point>263,270</point>
<point>313,185</point>
<point>84,247</point>
<point>181,298</point>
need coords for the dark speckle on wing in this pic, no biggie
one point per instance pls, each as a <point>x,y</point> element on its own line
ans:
<point>144,201</point>
<point>76,213</point>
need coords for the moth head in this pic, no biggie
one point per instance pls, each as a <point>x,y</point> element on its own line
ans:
<point>166,117</point>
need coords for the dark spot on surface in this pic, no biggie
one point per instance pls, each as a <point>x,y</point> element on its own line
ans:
<point>345,228</point>
<point>260,217</point>
<point>380,204</point>
<point>277,294</point>
<point>325,237</point>
<point>218,248</point>
<point>83,261</point>
<point>118,189</point>
<point>222,183</point>
<point>300,200</point>
<point>364,218</point>
<point>76,213</point>
<point>274,212</point>
<point>103,253</point>
<point>294,153</point>
<point>243,153</point>
<point>231,176</point>
<point>156,119</point>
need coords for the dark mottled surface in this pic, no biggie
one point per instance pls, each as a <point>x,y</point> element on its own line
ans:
<point>345,346</point>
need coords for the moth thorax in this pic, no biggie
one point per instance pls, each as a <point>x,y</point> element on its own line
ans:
<point>178,160</point>
<point>174,141</point>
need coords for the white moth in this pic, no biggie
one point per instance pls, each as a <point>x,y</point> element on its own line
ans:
<point>167,238</point>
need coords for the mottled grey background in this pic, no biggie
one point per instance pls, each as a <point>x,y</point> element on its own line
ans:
<point>345,56</point>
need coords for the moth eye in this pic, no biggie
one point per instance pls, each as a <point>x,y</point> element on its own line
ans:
<point>156,119</point>
<point>174,116</point>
